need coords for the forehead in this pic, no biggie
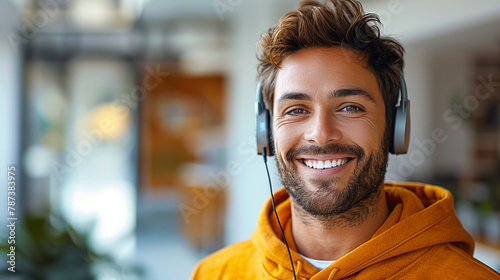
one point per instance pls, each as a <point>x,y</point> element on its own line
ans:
<point>319,70</point>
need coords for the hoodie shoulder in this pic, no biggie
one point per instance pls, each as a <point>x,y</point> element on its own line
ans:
<point>225,263</point>
<point>428,237</point>
<point>446,262</point>
<point>474,268</point>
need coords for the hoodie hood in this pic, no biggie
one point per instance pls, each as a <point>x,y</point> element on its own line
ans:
<point>421,216</point>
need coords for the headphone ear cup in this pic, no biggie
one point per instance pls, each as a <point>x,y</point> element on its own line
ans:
<point>264,133</point>
<point>401,129</point>
<point>263,129</point>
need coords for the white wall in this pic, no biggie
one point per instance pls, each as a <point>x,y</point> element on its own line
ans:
<point>452,83</point>
<point>416,163</point>
<point>428,29</point>
<point>249,187</point>
<point>413,21</point>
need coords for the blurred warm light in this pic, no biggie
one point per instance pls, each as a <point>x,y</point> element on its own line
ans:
<point>92,14</point>
<point>109,120</point>
<point>98,15</point>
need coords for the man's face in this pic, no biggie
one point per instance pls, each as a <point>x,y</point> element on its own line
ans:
<point>328,127</point>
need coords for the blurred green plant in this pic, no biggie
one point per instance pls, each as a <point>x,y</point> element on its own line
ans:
<point>48,248</point>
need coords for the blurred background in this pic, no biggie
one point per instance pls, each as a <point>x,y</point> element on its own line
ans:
<point>130,125</point>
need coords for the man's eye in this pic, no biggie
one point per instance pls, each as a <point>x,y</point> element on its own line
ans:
<point>296,112</point>
<point>352,109</point>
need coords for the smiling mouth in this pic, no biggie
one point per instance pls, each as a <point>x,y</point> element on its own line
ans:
<point>325,164</point>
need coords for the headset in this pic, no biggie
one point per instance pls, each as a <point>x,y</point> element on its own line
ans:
<point>264,132</point>
<point>400,134</point>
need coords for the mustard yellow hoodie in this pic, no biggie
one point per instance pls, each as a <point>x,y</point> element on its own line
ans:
<point>421,239</point>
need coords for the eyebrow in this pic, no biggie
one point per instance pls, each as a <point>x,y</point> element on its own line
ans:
<point>294,96</point>
<point>343,92</point>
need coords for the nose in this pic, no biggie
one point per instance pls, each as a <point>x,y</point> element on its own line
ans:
<point>322,129</point>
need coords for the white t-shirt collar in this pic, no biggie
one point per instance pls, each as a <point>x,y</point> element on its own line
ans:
<point>319,264</point>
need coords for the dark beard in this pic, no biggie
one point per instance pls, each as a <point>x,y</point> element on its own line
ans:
<point>350,205</point>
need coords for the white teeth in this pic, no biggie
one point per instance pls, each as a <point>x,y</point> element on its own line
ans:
<point>318,164</point>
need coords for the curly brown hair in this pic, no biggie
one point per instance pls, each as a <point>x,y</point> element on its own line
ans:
<point>331,24</point>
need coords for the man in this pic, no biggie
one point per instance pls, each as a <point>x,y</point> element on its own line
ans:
<point>331,84</point>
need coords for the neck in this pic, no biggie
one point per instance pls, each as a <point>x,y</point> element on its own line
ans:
<point>331,237</point>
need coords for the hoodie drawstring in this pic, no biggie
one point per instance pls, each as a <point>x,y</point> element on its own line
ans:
<point>299,268</point>
<point>333,272</point>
